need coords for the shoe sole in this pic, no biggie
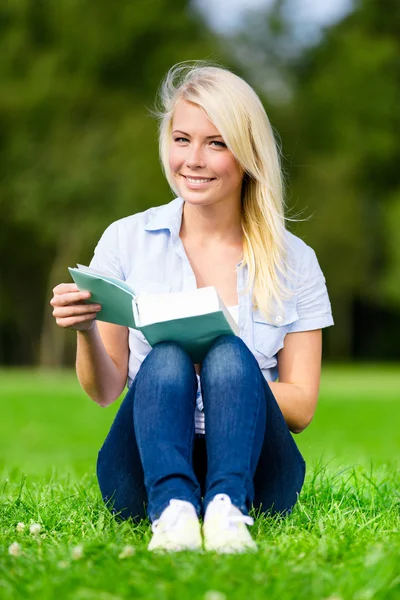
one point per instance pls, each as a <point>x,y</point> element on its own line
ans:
<point>231,549</point>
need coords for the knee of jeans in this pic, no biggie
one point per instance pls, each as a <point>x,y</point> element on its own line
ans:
<point>227,354</point>
<point>226,343</point>
<point>166,360</point>
<point>168,351</point>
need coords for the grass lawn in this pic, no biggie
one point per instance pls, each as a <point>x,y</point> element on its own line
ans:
<point>341,542</point>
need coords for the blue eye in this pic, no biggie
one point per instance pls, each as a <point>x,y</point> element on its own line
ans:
<point>219,144</point>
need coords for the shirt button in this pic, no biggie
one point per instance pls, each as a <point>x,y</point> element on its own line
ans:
<point>278,319</point>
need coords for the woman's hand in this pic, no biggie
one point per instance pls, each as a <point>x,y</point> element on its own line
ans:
<point>70,310</point>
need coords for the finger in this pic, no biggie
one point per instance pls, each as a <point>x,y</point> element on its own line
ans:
<point>69,298</point>
<point>62,312</point>
<point>64,288</point>
<point>70,322</point>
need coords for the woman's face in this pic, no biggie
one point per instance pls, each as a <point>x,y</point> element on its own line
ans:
<point>204,170</point>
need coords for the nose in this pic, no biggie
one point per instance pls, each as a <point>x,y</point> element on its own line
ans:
<point>195,157</point>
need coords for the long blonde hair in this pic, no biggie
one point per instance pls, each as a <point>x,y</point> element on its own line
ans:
<point>237,112</point>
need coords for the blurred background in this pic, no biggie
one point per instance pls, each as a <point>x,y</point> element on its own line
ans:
<point>78,146</point>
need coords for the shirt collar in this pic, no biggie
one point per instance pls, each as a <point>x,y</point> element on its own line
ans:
<point>168,216</point>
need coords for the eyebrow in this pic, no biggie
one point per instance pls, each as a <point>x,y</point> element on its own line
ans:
<point>209,137</point>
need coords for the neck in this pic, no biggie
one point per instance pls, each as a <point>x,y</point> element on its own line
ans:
<point>210,224</point>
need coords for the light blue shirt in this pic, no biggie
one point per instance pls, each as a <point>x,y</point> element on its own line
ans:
<point>146,251</point>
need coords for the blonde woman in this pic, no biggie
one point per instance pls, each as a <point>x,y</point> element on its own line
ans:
<point>209,440</point>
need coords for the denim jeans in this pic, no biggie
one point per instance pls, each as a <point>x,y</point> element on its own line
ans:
<point>152,454</point>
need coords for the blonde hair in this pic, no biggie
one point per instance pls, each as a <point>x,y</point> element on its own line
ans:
<point>237,112</point>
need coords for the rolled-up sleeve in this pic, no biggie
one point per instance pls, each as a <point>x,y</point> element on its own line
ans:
<point>313,304</point>
<point>106,255</point>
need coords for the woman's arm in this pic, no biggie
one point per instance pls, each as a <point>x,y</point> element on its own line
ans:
<point>102,361</point>
<point>102,348</point>
<point>299,367</point>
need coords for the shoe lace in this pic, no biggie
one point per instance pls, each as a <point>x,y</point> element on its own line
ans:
<point>229,521</point>
<point>169,517</point>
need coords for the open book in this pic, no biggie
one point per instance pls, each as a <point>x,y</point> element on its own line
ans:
<point>193,319</point>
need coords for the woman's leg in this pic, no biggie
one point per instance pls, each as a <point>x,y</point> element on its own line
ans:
<point>119,468</point>
<point>281,468</point>
<point>147,455</point>
<point>234,409</point>
<point>163,415</point>
<point>252,456</point>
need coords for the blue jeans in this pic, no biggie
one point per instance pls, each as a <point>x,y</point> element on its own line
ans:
<point>152,454</point>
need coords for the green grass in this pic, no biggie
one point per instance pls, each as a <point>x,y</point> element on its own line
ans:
<point>341,542</point>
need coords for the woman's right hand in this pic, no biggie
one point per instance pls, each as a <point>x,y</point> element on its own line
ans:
<point>70,309</point>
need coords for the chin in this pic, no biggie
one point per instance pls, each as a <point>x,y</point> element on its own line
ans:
<point>197,200</point>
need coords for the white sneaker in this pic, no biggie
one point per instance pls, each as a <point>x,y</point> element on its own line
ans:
<point>177,529</point>
<point>225,528</point>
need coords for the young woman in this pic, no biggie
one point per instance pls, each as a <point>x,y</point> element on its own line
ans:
<point>214,439</point>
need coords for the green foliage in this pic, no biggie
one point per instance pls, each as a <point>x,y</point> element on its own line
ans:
<point>78,147</point>
<point>80,77</point>
<point>347,97</point>
<point>335,106</point>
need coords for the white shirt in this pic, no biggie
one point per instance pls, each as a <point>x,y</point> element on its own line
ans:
<point>146,251</point>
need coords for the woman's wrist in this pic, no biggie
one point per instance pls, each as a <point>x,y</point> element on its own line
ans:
<point>89,332</point>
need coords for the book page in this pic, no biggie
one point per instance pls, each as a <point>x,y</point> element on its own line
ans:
<point>157,308</point>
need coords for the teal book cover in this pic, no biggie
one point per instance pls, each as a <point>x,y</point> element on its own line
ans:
<point>194,333</point>
<point>115,299</point>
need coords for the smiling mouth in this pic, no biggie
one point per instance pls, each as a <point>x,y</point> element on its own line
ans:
<point>198,179</point>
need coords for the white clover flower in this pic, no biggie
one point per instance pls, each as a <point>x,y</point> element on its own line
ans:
<point>20,527</point>
<point>35,528</point>
<point>126,552</point>
<point>214,595</point>
<point>77,552</point>
<point>14,549</point>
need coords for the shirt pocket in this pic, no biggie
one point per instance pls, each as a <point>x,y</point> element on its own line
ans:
<point>269,336</point>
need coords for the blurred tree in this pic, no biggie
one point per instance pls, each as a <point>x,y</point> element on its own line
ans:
<point>78,147</point>
<point>335,106</point>
<point>348,98</point>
